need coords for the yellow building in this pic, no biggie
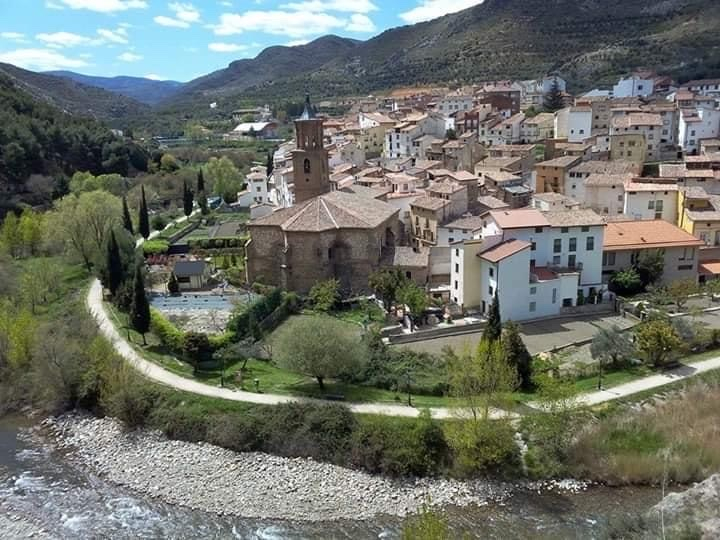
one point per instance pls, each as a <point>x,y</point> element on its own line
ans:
<point>628,147</point>
<point>699,214</point>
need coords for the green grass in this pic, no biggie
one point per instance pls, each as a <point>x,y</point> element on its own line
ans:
<point>612,378</point>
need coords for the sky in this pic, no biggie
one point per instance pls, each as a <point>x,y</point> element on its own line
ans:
<point>183,40</point>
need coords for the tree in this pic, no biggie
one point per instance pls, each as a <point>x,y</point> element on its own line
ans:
<point>427,524</point>
<point>413,297</point>
<point>31,230</point>
<point>553,100</point>
<point>115,274</point>
<point>38,282</point>
<point>626,282</point>
<point>680,290</point>
<point>173,286</point>
<point>225,177</point>
<point>196,348</point>
<point>656,341</point>
<point>650,265</point>
<point>270,163</point>
<point>10,235</point>
<point>610,346</point>
<point>143,218</point>
<point>127,220</point>
<point>493,326</point>
<point>325,294</point>
<point>517,355</point>
<point>385,282</point>
<point>451,134</point>
<point>200,181</point>
<point>168,163</point>
<point>187,200</point>
<point>320,347</point>
<point>140,307</point>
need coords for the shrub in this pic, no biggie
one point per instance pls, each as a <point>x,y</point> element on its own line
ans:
<point>155,247</point>
<point>168,334</point>
<point>159,222</point>
<point>133,403</point>
<point>178,421</point>
<point>196,348</point>
<point>240,433</point>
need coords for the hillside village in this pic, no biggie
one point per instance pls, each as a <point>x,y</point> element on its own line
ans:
<point>475,191</point>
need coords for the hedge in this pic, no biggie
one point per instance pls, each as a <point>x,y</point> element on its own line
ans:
<point>168,334</point>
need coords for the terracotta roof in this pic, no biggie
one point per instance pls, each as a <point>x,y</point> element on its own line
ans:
<point>647,234</point>
<point>504,250</point>
<point>650,186</point>
<point>672,170</point>
<point>608,167</point>
<point>335,210</point>
<point>520,218</point>
<point>445,187</point>
<point>491,202</point>
<point>711,268</point>
<point>607,180</point>
<point>502,176</point>
<point>551,196</point>
<point>406,256</point>
<point>574,218</point>
<point>430,203</point>
<point>472,223</point>
<point>464,176</point>
<point>562,161</point>
<point>637,119</point>
<point>543,273</point>
<point>498,162</point>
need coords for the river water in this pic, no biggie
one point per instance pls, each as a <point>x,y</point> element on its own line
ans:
<point>41,486</point>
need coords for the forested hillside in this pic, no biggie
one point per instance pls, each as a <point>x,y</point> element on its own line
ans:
<point>40,146</point>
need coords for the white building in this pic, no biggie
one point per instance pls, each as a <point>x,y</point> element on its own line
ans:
<point>646,200</point>
<point>633,86</point>
<point>537,263</point>
<point>650,125</point>
<point>695,125</point>
<point>455,102</point>
<point>399,139</point>
<point>574,123</point>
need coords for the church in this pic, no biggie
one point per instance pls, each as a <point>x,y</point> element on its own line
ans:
<point>326,234</point>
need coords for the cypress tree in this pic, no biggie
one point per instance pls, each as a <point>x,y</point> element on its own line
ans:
<point>493,327</point>
<point>517,354</point>
<point>114,265</point>
<point>187,200</point>
<point>553,99</point>
<point>144,220</point>
<point>140,308</point>
<point>200,181</point>
<point>127,221</point>
<point>270,163</point>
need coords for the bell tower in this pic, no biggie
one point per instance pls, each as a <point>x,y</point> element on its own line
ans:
<point>310,159</point>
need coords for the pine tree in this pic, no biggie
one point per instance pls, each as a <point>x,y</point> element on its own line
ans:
<point>554,98</point>
<point>200,182</point>
<point>143,218</point>
<point>187,200</point>
<point>270,163</point>
<point>127,221</point>
<point>493,327</point>
<point>140,308</point>
<point>114,265</point>
<point>517,354</point>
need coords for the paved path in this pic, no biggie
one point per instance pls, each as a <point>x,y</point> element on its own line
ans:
<point>158,374</point>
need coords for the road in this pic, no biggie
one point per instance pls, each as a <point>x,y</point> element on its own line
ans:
<point>160,375</point>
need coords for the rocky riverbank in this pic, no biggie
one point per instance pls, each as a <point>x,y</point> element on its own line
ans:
<point>251,485</point>
<point>695,510</point>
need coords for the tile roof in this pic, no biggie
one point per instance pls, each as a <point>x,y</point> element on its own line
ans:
<point>519,218</point>
<point>574,218</point>
<point>637,119</point>
<point>503,250</point>
<point>502,176</point>
<point>646,234</point>
<point>334,210</point>
<point>562,161</point>
<point>609,167</point>
<point>472,223</point>
<point>607,180</point>
<point>650,186</point>
<point>498,162</point>
<point>711,268</point>
<point>445,187</point>
<point>491,202</point>
<point>543,273</point>
<point>672,170</point>
<point>551,196</point>
<point>430,203</point>
<point>189,268</point>
<point>406,256</point>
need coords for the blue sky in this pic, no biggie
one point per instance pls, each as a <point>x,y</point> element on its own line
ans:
<point>182,40</point>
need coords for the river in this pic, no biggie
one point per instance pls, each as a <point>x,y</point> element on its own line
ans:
<point>41,486</point>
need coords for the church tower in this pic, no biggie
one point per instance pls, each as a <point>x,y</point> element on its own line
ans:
<point>310,159</point>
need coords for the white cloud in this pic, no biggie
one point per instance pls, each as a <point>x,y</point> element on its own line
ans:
<point>155,77</point>
<point>63,39</point>
<point>432,9</point>
<point>297,24</point>
<point>41,59</point>
<point>226,4</point>
<point>14,36</point>
<point>101,6</point>
<point>53,5</point>
<point>360,23</point>
<point>129,57</point>
<point>162,20</point>
<point>183,16</point>
<point>119,35</point>
<point>320,6</point>
<point>297,42</point>
<point>226,47</point>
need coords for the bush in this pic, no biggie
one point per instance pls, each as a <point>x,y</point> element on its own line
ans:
<point>155,247</point>
<point>158,222</point>
<point>181,422</point>
<point>240,433</point>
<point>196,348</point>
<point>168,334</point>
<point>400,447</point>
<point>133,403</point>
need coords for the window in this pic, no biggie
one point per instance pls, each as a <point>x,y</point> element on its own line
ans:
<point>572,244</point>
<point>563,229</point>
<point>306,166</point>
<point>556,260</point>
<point>457,252</point>
<point>554,296</point>
<point>533,305</point>
<point>590,243</point>
<point>451,240</point>
<point>456,285</point>
<point>585,229</point>
<point>532,263</point>
<point>457,268</point>
<point>490,290</point>
<point>408,274</point>
<point>685,267</point>
<point>571,261</point>
<point>658,206</point>
<point>533,290</point>
<point>491,272</point>
<point>533,246</point>
<point>557,245</point>
<point>538,229</point>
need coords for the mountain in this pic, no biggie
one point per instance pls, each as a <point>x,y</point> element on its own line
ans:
<point>148,91</point>
<point>589,42</point>
<point>272,64</point>
<point>40,145</point>
<point>74,97</point>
